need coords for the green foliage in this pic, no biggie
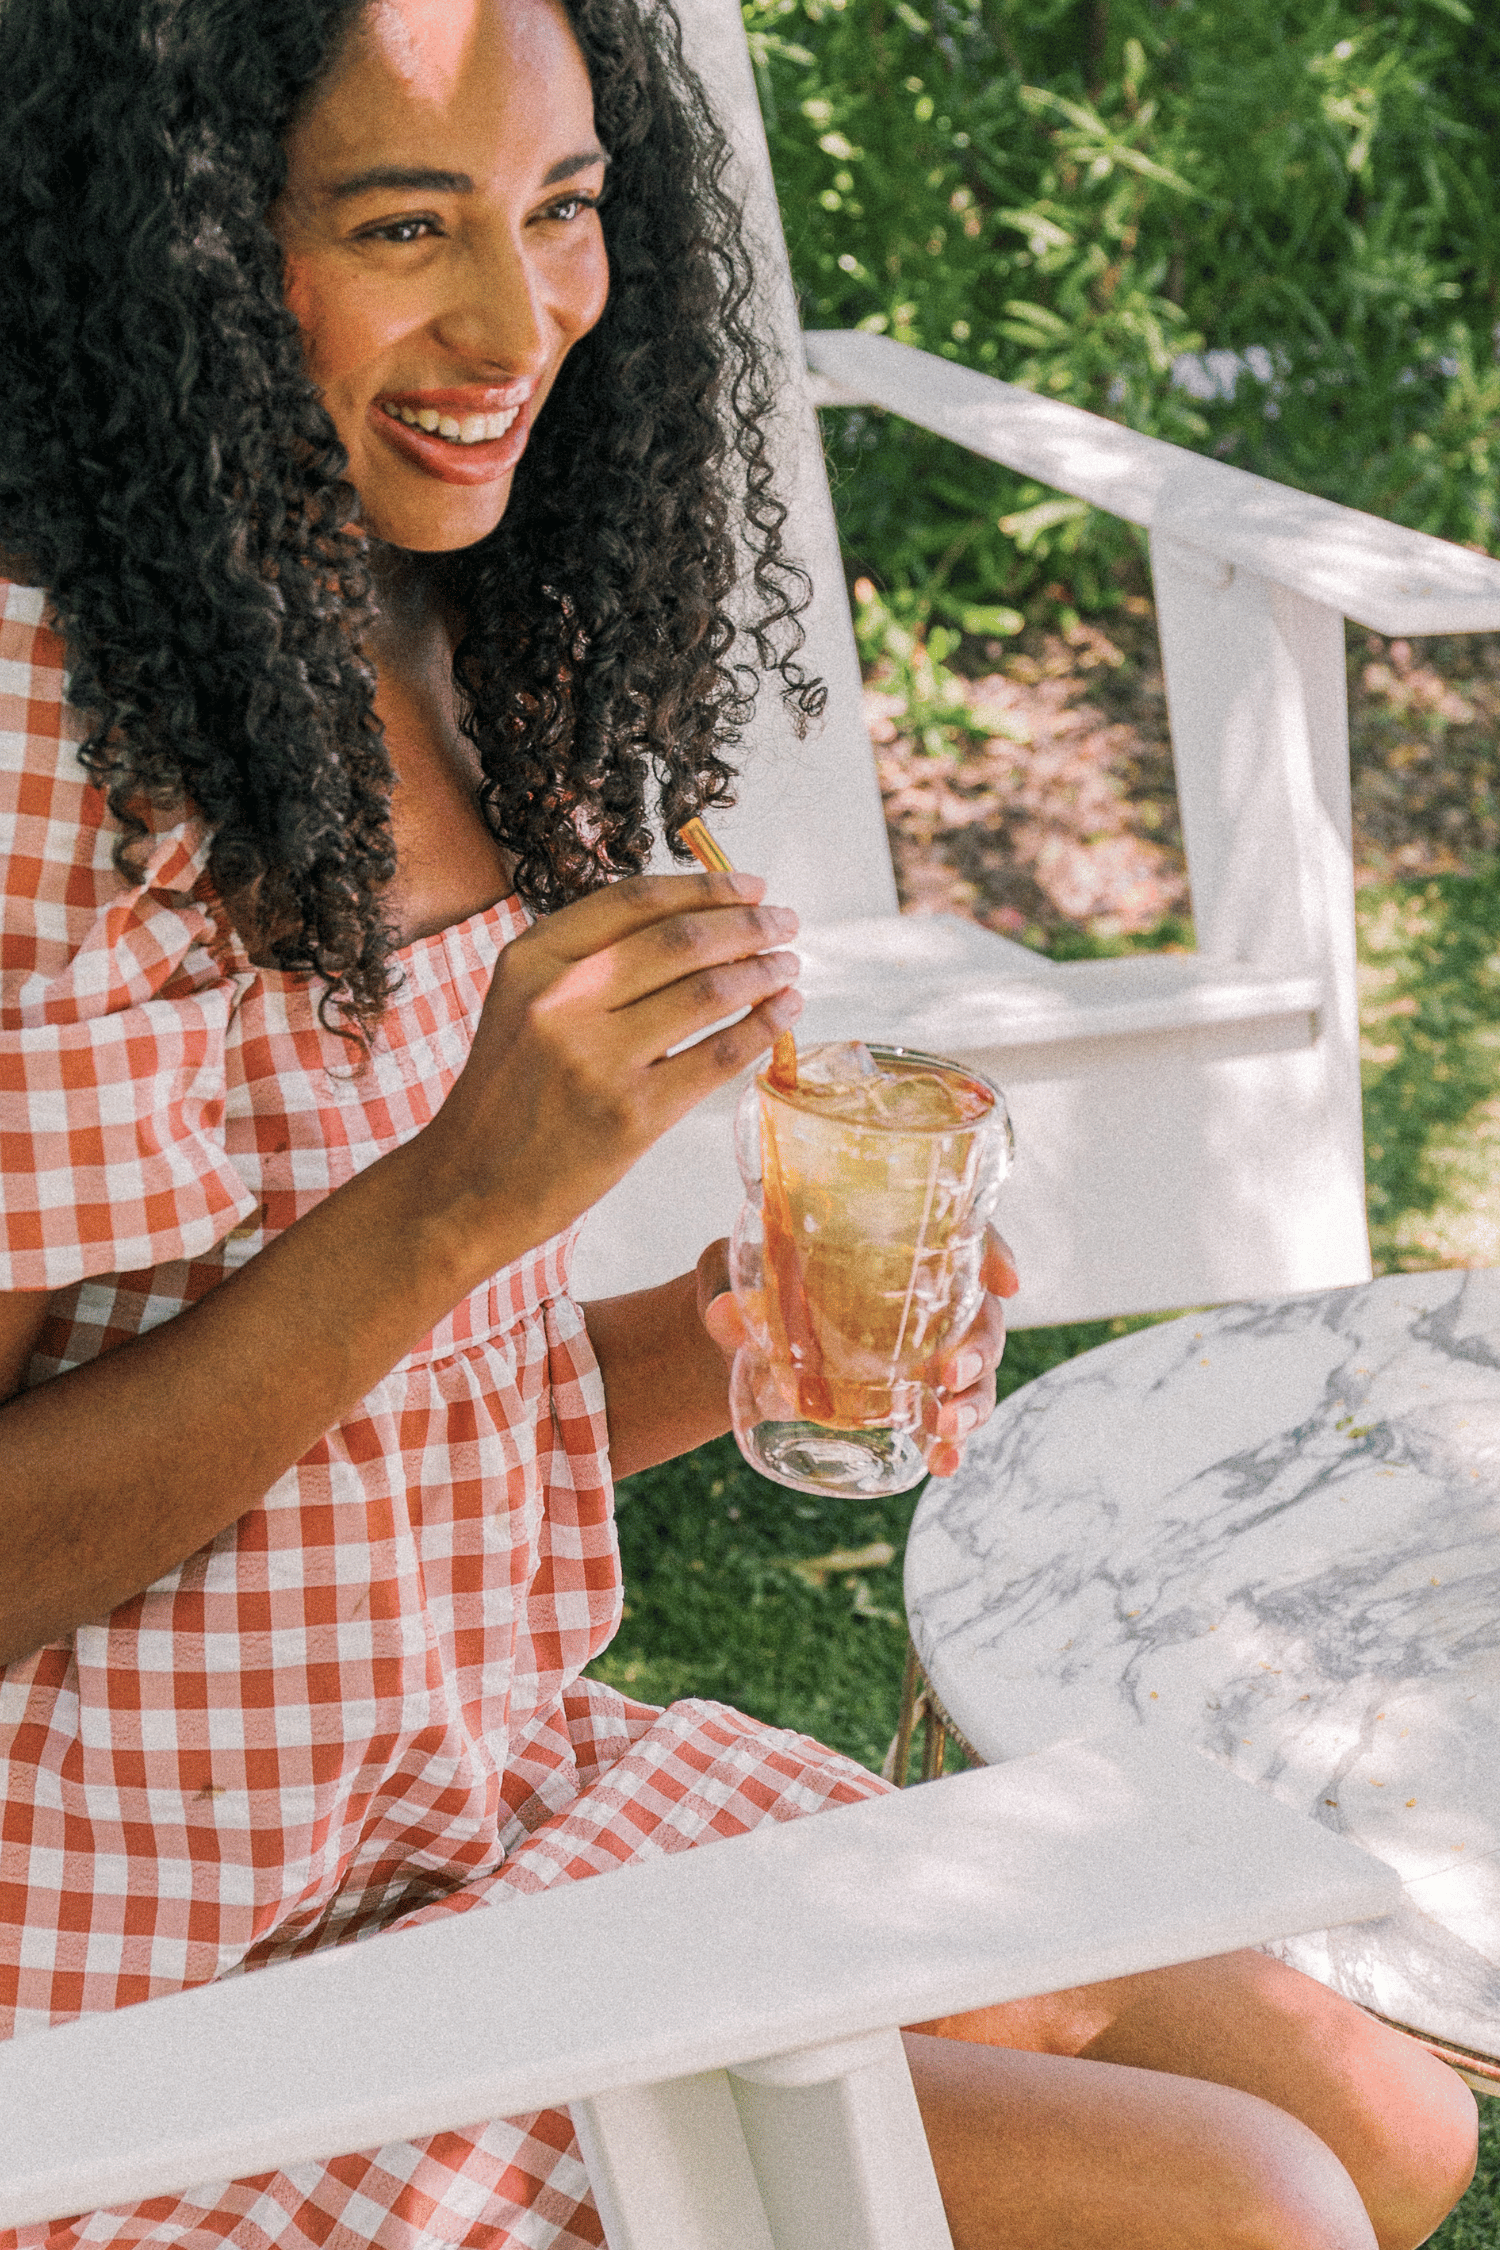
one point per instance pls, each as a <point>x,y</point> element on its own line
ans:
<point>907,661</point>
<point>1073,193</point>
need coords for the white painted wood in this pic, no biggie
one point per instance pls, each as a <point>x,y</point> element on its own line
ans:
<point>1088,1861</point>
<point>1174,1128</point>
<point>810,820</point>
<point>842,2160</point>
<point>1380,574</point>
<point>669,2167</point>
<point>1260,738</point>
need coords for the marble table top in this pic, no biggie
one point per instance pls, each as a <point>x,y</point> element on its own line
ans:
<point>1275,1529</point>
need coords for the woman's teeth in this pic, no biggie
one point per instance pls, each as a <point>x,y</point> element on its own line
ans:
<point>470,429</point>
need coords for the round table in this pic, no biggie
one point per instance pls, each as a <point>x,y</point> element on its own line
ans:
<point>1272,1528</point>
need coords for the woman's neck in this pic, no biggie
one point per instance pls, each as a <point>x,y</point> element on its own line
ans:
<point>412,607</point>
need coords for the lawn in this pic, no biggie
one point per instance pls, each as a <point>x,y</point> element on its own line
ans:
<point>790,1608</point>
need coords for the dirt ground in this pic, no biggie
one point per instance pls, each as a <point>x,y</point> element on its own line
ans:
<point>1067,820</point>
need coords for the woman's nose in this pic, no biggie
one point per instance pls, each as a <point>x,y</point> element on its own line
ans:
<point>501,315</point>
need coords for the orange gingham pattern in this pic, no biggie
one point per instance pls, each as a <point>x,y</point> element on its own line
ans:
<point>362,1705</point>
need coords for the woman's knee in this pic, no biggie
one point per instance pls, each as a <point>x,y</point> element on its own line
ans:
<point>1401,2123</point>
<point>1046,2150</point>
<point>1296,2195</point>
<point>1418,2136</point>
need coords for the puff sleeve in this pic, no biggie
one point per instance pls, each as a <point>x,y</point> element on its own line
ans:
<point>113,1010</point>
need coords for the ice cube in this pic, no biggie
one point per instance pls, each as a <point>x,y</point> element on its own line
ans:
<point>841,1062</point>
<point>922,1102</point>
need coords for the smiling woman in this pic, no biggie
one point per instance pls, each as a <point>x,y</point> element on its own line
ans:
<point>383,438</point>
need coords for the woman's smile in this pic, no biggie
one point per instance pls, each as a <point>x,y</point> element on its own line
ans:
<point>457,436</point>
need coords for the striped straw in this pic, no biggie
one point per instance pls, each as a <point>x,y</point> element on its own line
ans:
<point>709,854</point>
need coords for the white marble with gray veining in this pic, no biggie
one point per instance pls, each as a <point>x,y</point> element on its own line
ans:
<point>1276,1529</point>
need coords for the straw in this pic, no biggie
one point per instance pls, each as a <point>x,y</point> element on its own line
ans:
<point>711,855</point>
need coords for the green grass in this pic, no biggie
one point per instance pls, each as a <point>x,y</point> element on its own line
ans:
<point>729,1589</point>
<point>1430,1008</point>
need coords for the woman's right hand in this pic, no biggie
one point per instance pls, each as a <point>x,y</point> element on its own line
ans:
<point>571,1078</point>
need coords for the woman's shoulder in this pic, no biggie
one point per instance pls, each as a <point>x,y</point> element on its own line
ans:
<point>58,836</point>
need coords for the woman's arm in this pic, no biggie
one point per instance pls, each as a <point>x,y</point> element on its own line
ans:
<point>112,1473</point>
<point>666,1382</point>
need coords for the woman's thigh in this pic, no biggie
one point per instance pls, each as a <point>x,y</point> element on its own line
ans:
<point>1401,2124</point>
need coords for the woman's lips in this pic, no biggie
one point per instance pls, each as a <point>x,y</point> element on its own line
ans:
<point>447,459</point>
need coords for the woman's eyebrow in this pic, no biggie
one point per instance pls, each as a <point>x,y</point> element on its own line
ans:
<point>418,177</point>
<point>399,176</point>
<point>572,164</point>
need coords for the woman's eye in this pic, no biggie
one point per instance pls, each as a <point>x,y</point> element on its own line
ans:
<point>569,206</point>
<point>400,230</point>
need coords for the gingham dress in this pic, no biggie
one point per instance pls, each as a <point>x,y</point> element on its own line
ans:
<point>362,1705</point>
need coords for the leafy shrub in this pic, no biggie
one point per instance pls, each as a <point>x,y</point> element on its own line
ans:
<point>1289,210</point>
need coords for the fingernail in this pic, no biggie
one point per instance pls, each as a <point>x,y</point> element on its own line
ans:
<point>786,1006</point>
<point>967,1418</point>
<point>967,1369</point>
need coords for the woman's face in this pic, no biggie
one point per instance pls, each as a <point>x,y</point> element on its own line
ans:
<point>443,251</point>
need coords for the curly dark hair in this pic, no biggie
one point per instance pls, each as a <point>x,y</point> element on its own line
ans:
<point>170,475</point>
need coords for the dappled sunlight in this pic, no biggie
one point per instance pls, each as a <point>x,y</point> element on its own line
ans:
<point>426,43</point>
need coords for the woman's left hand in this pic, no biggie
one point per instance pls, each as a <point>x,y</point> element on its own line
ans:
<point>966,1378</point>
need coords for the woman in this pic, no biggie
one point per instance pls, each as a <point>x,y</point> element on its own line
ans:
<point>367,373</point>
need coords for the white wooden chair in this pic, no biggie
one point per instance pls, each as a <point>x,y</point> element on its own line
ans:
<point>722,2023</point>
<point>1188,1126</point>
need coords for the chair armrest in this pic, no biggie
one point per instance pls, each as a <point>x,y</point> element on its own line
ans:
<point>1082,1862</point>
<point>1379,573</point>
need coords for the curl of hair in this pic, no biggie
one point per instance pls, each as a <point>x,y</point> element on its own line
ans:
<point>170,475</point>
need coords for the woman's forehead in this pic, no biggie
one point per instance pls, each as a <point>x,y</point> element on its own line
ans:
<point>465,62</point>
<point>429,45</point>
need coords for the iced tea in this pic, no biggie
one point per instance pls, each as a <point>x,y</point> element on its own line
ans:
<point>858,1263</point>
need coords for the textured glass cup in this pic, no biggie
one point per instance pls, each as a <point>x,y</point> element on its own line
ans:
<point>856,1261</point>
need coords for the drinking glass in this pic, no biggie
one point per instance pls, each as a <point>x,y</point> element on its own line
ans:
<point>856,1260</point>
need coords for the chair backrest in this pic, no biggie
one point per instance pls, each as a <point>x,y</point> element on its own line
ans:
<point>810,817</point>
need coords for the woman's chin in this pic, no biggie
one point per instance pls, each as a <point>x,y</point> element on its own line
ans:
<point>458,519</point>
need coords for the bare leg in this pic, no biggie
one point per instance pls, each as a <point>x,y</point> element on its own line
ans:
<point>1401,2125</point>
<point>1043,2152</point>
